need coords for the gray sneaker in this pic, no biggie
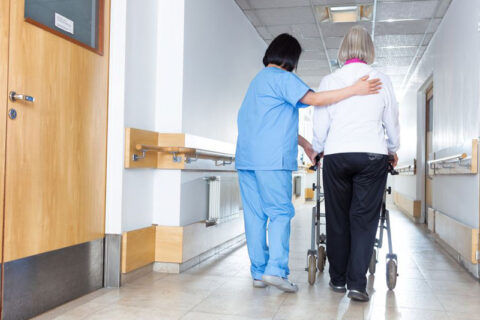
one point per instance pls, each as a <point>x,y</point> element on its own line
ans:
<point>280,283</point>
<point>358,295</point>
<point>259,284</point>
<point>339,289</point>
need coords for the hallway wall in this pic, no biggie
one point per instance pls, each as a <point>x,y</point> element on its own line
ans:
<point>451,59</point>
<point>140,102</point>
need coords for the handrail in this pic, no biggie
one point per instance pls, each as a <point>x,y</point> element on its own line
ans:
<point>404,168</point>
<point>410,168</point>
<point>457,157</point>
<point>191,154</point>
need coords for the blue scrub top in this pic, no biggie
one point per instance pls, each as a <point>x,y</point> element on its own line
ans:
<point>268,121</point>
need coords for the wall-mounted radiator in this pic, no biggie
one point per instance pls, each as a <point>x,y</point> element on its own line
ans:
<point>224,201</point>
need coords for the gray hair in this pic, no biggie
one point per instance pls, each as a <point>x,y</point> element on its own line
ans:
<point>357,43</point>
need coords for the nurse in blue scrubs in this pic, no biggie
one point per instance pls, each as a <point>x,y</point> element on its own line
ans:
<point>267,154</point>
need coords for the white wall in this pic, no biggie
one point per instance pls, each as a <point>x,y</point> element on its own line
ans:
<point>140,103</point>
<point>116,117</point>
<point>223,52</point>
<point>452,59</point>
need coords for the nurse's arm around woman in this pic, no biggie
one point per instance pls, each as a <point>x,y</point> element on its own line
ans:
<point>266,155</point>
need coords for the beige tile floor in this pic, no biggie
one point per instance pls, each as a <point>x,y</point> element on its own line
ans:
<point>431,286</point>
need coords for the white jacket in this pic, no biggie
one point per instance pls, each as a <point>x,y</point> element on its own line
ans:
<point>358,124</point>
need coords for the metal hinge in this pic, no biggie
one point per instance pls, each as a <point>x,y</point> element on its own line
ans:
<point>478,255</point>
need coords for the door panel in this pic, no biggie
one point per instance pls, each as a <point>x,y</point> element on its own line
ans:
<point>56,147</point>
<point>428,146</point>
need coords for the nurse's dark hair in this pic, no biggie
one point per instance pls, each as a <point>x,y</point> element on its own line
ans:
<point>284,51</point>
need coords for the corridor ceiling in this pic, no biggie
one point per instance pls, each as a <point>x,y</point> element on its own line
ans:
<point>402,31</point>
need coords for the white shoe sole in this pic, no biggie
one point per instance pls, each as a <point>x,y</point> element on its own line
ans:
<point>259,284</point>
<point>280,283</point>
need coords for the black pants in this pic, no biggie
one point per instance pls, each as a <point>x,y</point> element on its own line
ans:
<point>354,184</point>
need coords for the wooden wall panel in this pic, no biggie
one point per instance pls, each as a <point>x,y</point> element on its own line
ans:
<point>169,244</point>
<point>138,248</point>
<point>137,136</point>
<point>460,237</point>
<point>411,207</point>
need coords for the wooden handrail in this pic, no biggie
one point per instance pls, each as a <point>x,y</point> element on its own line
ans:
<point>182,150</point>
<point>190,153</point>
<point>457,157</point>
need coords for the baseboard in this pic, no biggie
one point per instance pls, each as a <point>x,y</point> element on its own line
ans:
<point>35,284</point>
<point>138,248</point>
<point>431,219</point>
<point>472,268</point>
<point>462,238</point>
<point>137,273</point>
<point>175,249</point>
<point>412,208</point>
<point>169,267</point>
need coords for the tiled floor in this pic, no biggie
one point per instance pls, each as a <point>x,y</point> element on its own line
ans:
<point>431,286</point>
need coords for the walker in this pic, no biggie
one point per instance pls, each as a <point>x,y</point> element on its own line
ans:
<point>317,254</point>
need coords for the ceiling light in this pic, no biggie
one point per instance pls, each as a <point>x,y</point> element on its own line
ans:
<point>340,14</point>
<point>343,9</point>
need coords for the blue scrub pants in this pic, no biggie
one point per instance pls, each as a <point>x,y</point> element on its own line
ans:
<point>267,196</point>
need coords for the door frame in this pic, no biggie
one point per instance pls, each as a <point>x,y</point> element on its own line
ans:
<point>421,147</point>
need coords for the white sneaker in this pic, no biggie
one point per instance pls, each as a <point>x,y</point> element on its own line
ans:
<point>280,283</point>
<point>259,284</point>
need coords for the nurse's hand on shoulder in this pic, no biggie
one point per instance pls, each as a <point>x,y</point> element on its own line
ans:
<point>364,86</point>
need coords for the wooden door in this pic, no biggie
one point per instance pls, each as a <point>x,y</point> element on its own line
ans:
<point>428,145</point>
<point>56,147</point>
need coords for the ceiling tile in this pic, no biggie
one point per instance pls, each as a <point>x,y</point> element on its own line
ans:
<point>340,2</point>
<point>395,51</point>
<point>306,30</point>
<point>406,10</point>
<point>313,55</point>
<point>314,73</point>
<point>333,42</point>
<point>318,64</point>
<point>393,61</point>
<point>268,4</point>
<point>330,29</point>
<point>252,16</point>
<point>401,40</point>
<point>264,32</point>
<point>333,53</point>
<point>282,16</point>
<point>311,43</point>
<point>392,70</point>
<point>402,27</point>
<point>442,8</point>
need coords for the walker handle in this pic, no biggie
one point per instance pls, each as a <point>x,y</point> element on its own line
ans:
<point>390,168</point>
<point>314,167</point>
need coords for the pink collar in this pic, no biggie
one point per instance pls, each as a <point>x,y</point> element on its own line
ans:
<point>354,60</point>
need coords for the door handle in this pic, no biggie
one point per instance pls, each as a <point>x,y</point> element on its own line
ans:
<point>16,96</point>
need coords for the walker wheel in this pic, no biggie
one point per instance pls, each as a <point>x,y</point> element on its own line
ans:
<point>373,262</point>
<point>312,269</point>
<point>322,258</point>
<point>391,274</point>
